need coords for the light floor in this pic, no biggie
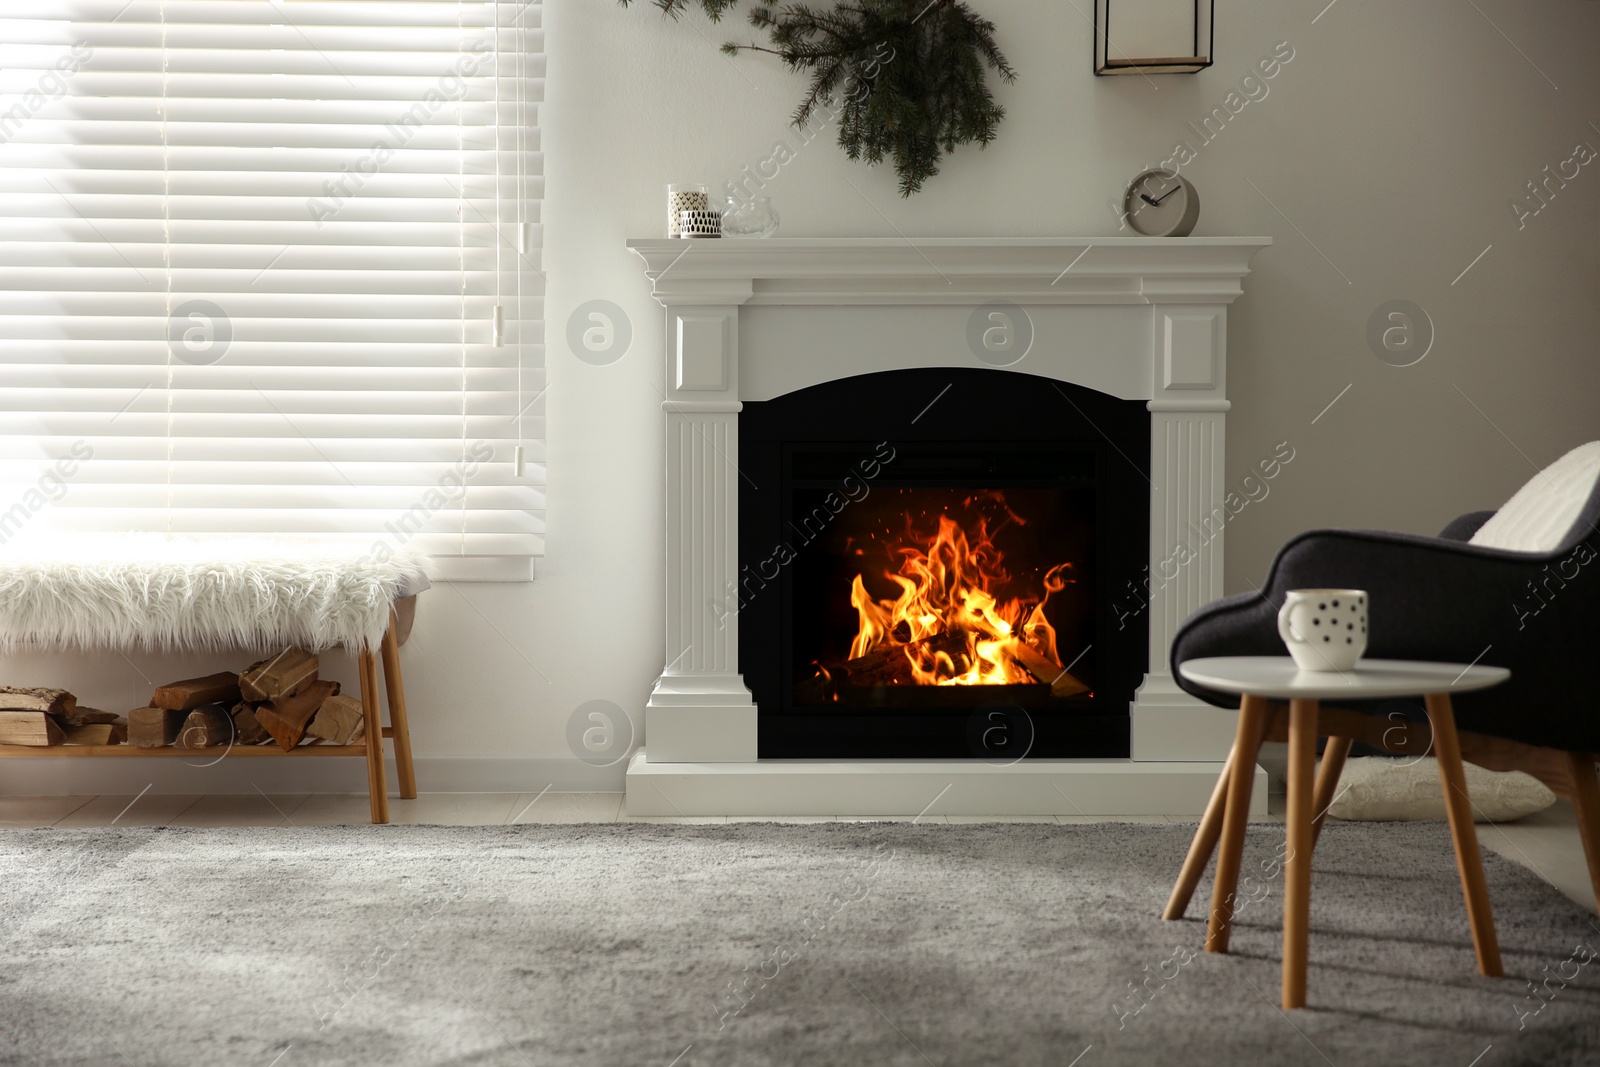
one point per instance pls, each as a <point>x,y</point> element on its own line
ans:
<point>1546,844</point>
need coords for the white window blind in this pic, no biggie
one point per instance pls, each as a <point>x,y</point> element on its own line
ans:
<point>272,266</point>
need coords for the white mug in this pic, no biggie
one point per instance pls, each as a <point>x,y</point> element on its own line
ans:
<point>1325,629</point>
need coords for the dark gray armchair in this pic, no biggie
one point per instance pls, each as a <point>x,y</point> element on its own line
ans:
<point>1444,599</point>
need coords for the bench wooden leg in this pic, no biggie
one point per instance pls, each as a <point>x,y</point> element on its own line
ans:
<point>376,787</point>
<point>1246,744</point>
<point>394,685</point>
<point>1457,805</point>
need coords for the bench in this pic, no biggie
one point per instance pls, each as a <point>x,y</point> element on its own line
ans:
<point>153,593</point>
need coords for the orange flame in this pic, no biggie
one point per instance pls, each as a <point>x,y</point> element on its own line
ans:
<point>947,586</point>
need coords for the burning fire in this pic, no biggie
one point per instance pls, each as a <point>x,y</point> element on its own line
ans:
<point>947,621</point>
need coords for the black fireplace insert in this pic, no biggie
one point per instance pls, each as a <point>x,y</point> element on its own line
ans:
<point>928,565</point>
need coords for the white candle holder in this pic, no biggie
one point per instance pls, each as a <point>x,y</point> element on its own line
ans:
<point>681,198</point>
<point>694,222</point>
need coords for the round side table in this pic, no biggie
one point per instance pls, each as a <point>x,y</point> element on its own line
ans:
<point>1264,684</point>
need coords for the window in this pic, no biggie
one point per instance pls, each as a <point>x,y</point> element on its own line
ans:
<point>272,266</point>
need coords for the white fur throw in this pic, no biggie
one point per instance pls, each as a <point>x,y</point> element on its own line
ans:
<point>152,592</point>
<point>1384,789</point>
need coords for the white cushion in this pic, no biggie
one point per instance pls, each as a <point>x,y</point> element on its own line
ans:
<point>1539,516</point>
<point>1381,788</point>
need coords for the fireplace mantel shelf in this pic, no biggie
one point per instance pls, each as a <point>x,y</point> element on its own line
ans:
<point>947,270</point>
<point>747,320</point>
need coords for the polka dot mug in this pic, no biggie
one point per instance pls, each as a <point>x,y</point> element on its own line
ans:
<point>1325,629</point>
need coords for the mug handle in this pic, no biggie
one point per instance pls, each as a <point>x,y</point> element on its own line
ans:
<point>1287,625</point>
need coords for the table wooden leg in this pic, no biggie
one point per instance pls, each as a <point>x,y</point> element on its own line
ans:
<point>376,785</point>
<point>1297,859</point>
<point>1333,757</point>
<point>1586,802</point>
<point>1458,806</point>
<point>1204,843</point>
<point>1246,744</point>
<point>394,685</point>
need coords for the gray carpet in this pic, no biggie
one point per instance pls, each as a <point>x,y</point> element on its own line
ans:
<point>755,945</point>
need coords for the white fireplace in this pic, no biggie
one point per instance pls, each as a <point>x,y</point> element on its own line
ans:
<point>1136,318</point>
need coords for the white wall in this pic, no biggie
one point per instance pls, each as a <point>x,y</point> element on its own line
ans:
<point>1394,140</point>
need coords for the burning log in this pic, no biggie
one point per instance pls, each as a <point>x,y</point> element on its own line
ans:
<point>1047,670</point>
<point>890,664</point>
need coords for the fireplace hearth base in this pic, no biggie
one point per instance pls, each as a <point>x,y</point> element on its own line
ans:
<point>926,788</point>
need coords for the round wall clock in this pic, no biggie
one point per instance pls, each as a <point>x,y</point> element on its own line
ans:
<point>1161,203</point>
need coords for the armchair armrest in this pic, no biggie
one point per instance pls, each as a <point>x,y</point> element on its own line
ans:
<point>1463,527</point>
<point>1438,599</point>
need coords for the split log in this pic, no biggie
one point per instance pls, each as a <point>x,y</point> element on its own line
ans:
<point>339,721</point>
<point>969,697</point>
<point>814,690</point>
<point>154,727</point>
<point>885,665</point>
<point>55,701</point>
<point>82,716</point>
<point>36,728</point>
<point>888,664</point>
<point>1047,670</point>
<point>247,727</point>
<point>97,733</point>
<point>191,693</point>
<point>283,675</point>
<point>206,727</point>
<point>287,718</point>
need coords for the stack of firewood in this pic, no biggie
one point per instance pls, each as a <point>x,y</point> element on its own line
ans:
<point>277,700</point>
<point>53,717</point>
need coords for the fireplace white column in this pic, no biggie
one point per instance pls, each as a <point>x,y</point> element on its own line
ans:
<point>1187,517</point>
<point>1137,318</point>
<point>700,710</point>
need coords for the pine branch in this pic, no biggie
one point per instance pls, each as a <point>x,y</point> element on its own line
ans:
<point>675,8</point>
<point>913,74</point>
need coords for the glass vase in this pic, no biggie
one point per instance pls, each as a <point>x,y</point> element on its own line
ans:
<point>753,217</point>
